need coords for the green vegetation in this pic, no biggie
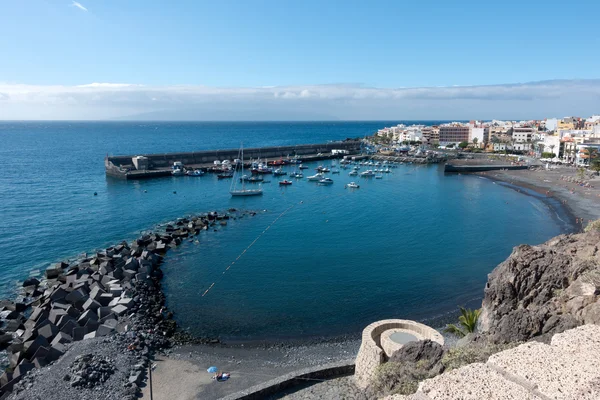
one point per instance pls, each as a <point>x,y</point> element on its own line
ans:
<point>475,140</point>
<point>593,226</point>
<point>467,322</point>
<point>590,153</point>
<point>547,154</point>
<point>460,356</point>
<point>463,145</point>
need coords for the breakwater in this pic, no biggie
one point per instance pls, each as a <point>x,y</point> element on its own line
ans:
<point>155,165</point>
<point>116,291</point>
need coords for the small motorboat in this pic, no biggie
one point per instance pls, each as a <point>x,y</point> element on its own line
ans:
<point>353,185</point>
<point>285,182</point>
<point>253,178</point>
<point>177,172</point>
<point>302,167</point>
<point>353,173</point>
<point>378,176</point>
<point>225,175</point>
<point>316,177</point>
<point>196,172</point>
<point>367,173</point>
<point>298,175</point>
<point>325,182</point>
<point>279,172</point>
<point>335,171</point>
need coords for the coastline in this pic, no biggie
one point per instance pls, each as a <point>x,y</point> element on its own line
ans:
<point>580,204</point>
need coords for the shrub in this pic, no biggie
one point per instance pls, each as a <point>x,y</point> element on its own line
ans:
<point>593,226</point>
<point>463,355</point>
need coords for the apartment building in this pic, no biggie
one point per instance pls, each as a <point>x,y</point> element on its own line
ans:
<point>455,133</point>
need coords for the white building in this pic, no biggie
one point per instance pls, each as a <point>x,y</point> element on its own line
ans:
<point>551,124</point>
<point>477,133</point>
<point>552,144</point>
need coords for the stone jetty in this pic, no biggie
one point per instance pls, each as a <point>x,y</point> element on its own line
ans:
<point>115,291</point>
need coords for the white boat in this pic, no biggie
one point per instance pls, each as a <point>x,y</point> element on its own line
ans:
<point>335,171</point>
<point>298,175</point>
<point>177,172</point>
<point>353,173</point>
<point>325,182</point>
<point>279,172</point>
<point>243,191</point>
<point>353,185</point>
<point>196,172</point>
<point>316,177</point>
<point>378,176</point>
<point>367,173</point>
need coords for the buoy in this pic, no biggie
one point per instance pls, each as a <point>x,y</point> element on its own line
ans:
<point>95,193</point>
<point>174,191</point>
<point>145,191</point>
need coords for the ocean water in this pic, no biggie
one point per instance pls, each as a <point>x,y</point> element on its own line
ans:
<point>413,245</point>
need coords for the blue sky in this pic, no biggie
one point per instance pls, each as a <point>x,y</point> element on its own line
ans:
<point>249,44</point>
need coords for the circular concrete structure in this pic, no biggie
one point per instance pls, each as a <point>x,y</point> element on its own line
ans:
<point>382,338</point>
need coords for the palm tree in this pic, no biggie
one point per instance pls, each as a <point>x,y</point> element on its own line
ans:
<point>552,146</point>
<point>467,322</point>
<point>590,153</point>
<point>475,141</point>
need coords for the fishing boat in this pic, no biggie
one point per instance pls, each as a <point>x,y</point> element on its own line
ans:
<point>261,169</point>
<point>243,191</point>
<point>285,182</point>
<point>353,185</point>
<point>317,177</point>
<point>325,182</point>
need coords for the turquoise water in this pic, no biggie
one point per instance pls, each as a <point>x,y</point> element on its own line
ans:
<point>412,245</point>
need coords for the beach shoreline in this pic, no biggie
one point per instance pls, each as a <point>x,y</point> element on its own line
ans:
<point>579,203</point>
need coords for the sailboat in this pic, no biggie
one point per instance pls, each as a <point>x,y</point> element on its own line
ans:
<point>243,191</point>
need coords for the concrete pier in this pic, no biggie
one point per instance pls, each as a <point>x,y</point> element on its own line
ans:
<point>156,165</point>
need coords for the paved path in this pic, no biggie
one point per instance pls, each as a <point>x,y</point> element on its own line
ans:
<point>566,369</point>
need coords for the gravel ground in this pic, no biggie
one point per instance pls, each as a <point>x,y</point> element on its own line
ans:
<point>51,383</point>
<point>181,375</point>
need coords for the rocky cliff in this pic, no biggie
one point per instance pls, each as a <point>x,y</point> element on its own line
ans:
<point>545,289</point>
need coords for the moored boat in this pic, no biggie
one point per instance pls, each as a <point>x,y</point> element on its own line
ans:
<point>325,182</point>
<point>234,191</point>
<point>279,172</point>
<point>353,185</point>
<point>285,182</point>
<point>367,173</point>
<point>317,177</point>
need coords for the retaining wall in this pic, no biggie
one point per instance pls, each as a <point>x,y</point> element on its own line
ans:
<point>371,354</point>
<point>292,379</point>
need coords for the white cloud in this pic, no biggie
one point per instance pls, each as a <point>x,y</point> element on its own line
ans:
<point>114,100</point>
<point>78,5</point>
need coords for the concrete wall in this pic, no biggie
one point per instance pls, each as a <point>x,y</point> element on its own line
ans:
<point>274,386</point>
<point>371,354</point>
<point>203,157</point>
